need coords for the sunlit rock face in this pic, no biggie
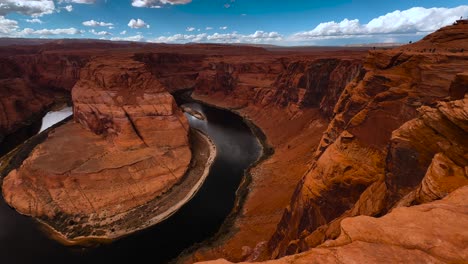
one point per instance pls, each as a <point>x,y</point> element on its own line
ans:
<point>397,138</point>
<point>406,234</point>
<point>128,145</point>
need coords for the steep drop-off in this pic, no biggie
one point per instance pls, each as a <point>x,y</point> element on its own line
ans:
<point>365,239</point>
<point>396,139</point>
<point>30,83</point>
<point>128,146</point>
<point>282,96</point>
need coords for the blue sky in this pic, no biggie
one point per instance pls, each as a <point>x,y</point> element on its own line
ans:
<point>290,22</point>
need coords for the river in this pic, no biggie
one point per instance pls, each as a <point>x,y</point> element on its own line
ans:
<point>22,242</point>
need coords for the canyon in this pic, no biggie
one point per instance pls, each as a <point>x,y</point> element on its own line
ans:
<point>360,147</point>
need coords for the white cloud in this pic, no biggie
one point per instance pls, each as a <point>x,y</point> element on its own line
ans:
<point>257,37</point>
<point>123,32</point>
<point>34,20</point>
<point>33,8</point>
<point>78,1</point>
<point>223,28</point>
<point>7,26</point>
<point>413,21</point>
<point>47,32</point>
<point>69,8</point>
<point>158,3</point>
<point>208,28</point>
<point>227,5</point>
<point>100,33</point>
<point>93,23</point>
<point>132,38</point>
<point>138,23</point>
<point>190,29</point>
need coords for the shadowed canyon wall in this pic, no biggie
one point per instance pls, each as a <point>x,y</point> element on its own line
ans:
<point>360,144</point>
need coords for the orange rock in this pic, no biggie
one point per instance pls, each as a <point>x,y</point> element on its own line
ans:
<point>293,126</point>
<point>134,148</point>
<point>389,144</point>
<point>406,235</point>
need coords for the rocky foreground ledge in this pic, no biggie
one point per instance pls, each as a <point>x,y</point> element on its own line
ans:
<point>110,172</point>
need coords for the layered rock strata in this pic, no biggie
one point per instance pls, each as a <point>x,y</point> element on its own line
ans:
<point>128,145</point>
<point>396,138</point>
<point>365,239</point>
<point>283,98</point>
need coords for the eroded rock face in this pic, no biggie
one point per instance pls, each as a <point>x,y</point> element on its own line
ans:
<point>284,97</point>
<point>384,140</point>
<point>430,152</point>
<point>31,83</point>
<point>129,145</point>
<point>292,84</point>
<point>405,235</point>
<point>19,102</point>
<point>129,105</point>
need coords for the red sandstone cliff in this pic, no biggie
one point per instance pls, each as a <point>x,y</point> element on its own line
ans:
<point>365,239</point>
<point>30,83</point>
<point>130,146</point>
<point>281,95</point>
<point>389,144</point>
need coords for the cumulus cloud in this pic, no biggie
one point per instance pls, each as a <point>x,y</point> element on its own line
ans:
<point>223,28</point>
<point>123,32</point>
<point>132,38</point>
<point>158,3</point>
<point>414,21</point>
<point>34,20</point>
<point>35,8</point>
<point>190,29</point>
<point>208,28</point>
<point>93,23</point>
<point>69,8</point>
<point>100,33</point>
<point>7,26</point>
<point>137,23</point>
<point>48,32</point>
<point>257,37</point>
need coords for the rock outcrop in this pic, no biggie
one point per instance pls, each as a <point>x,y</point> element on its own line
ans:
<point>390,143</point>
<point>406,235</point>
<point>128,146</point>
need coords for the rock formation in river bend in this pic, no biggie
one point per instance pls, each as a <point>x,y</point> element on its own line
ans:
<point>129,145</point>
